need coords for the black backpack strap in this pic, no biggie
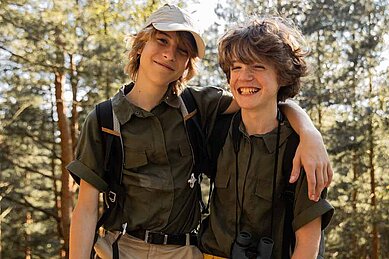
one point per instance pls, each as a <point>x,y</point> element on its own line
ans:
<point>113,162</point>
<point>196,135</point>
<point>289,237</point>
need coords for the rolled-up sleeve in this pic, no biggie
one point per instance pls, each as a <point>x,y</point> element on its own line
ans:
<point>89,162</point>
<point>306,210</point>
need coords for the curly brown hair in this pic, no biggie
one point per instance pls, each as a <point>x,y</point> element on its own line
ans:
<point>272,39</point>
<point>139,41</point>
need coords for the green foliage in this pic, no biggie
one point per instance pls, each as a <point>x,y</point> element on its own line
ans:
<point>346,95</point>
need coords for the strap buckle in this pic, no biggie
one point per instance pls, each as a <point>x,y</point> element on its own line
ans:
<point>192,180</point>
<point>147,236</point>
<point>112,196</point>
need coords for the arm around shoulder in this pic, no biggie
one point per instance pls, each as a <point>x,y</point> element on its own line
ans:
<point>311,152</point>
<point>83,224</point>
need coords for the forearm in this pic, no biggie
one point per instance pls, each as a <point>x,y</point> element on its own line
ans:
<point>83,225</point>
<point>308,240</point>
<point>82,231</point>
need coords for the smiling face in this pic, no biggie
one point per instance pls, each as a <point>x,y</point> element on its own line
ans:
<point>163,59</point>
<point>270,39</point>
<point>254,85</point>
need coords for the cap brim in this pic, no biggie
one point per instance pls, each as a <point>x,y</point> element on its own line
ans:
<point>180,27</point>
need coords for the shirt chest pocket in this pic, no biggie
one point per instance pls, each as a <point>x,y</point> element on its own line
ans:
<point>135,158</point>
<point>138,171</point>
<point>264,189</point>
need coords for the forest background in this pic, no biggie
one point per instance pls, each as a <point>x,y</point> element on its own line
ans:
<point>59,58</point>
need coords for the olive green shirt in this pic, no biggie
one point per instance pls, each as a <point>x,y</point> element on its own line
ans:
<point>158,160</point>
<point>255,186</point>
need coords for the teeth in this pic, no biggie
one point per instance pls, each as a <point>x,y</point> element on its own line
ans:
<point>247,90</point>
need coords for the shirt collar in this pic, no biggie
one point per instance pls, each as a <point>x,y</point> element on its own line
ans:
<point>270,139</point>
<point>124,109</point>
<point>170,98</point>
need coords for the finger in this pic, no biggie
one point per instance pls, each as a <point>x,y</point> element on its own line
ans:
<point>319,180</point>
<point>325,175</point>
<point>295,170</point>
<point>330,174</point>
<point>311,178</point>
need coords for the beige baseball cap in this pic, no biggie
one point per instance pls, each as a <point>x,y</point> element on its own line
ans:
<point>172,18</point>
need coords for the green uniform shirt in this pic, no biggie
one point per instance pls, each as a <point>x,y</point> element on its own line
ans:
<point>255,178</point>
<point>158,160</point>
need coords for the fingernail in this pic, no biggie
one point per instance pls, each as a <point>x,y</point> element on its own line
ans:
<point>292,178</point>
<point>313,198</point>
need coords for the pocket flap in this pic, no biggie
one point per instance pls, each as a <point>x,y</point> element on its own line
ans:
<point>264,188</point>
<point>135,158</point>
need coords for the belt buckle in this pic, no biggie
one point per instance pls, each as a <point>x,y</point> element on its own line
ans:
<point>187,239</point>
<point>165,239</point>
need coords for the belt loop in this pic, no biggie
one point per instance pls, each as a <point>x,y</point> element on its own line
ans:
<point>187,236</point>
<point>147,236</point>
<point>165,239</point>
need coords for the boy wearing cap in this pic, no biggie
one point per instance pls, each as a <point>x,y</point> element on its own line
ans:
<point>263,61</point>
<point>159,203</point>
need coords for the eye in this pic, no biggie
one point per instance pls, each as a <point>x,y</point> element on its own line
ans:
<point>162,41</point>
<point>183,51</point>
<point>259,67</point>
<point>235,67</point>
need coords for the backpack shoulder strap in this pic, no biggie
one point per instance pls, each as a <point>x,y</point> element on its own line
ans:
<point>287,165</point>
<point>196,133</point>
<point>197,139</point>
<point>113,160</point>
<point>105,120</point>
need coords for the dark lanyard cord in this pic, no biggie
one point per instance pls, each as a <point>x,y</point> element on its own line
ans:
<point>236,149</point>
<point>273,197</point>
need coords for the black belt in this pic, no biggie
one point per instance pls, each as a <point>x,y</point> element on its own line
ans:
<point>165,239</point>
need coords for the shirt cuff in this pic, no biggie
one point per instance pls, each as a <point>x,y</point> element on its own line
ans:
<point>80,171</point>
<point>319,209</point>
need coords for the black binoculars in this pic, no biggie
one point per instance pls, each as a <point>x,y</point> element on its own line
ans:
<point>240,248</point>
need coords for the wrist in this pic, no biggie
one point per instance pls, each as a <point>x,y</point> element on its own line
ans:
<point>310,133</point>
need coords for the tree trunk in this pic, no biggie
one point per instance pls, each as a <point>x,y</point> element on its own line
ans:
<point>74,121</point>
<point>374,233</point>
<point>319,74</point>
<point>66,157</point>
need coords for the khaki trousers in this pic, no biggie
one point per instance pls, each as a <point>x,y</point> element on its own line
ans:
<point>134,248</point>
<point>208,256</point>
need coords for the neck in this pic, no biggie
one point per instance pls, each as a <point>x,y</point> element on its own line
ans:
<point>259,121</point>
<point>146,95</point>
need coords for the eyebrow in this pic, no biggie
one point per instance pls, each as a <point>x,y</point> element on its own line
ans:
<point>164,33</point>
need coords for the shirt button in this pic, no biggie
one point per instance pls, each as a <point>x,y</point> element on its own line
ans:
<point>137,113</point>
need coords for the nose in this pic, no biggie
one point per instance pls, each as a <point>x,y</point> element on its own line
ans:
<point>246,74</point>
<point>170,53</point>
